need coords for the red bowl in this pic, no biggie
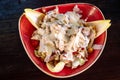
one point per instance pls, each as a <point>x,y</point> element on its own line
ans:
<point>89,13</point>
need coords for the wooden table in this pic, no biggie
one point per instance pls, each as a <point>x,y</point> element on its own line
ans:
<point>14,62</point>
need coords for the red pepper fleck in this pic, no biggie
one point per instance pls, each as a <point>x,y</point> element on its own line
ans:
<point>82,48</point>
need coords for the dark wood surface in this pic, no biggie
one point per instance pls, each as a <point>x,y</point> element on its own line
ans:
<point>14,62</point>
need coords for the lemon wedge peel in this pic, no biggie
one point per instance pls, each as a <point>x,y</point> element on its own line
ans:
<point>57,68</point>
<point>34,17</point>
<point>100,26</point>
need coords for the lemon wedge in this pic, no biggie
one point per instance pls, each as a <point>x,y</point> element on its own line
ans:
<point>59,66</point>
<point>100,25</point>
<point>34,17</point>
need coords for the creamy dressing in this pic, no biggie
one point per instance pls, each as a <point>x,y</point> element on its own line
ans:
<point>63,33</point>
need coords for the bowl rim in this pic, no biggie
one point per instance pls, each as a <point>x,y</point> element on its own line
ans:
<point>71,75</point>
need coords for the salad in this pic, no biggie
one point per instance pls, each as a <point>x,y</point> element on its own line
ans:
<point>64,39</point>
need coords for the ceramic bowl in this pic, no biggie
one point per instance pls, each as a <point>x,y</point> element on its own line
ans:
<point>89,13</point>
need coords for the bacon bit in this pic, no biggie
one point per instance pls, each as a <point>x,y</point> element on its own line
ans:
<point>82,48</point>
<point>75,53</point>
